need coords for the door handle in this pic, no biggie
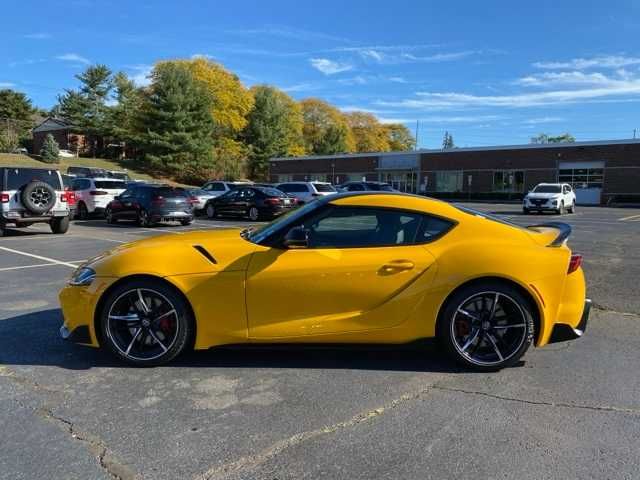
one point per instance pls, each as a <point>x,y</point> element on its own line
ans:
<point>397,266</point>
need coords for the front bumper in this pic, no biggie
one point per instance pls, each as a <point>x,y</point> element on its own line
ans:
<point>562,332</point>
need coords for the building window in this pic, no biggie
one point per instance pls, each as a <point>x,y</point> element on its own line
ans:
<point>449,181</point>
<point>316,177</point>
<point>285,178</point>
<point>508,181</point>
<point>582,177</point>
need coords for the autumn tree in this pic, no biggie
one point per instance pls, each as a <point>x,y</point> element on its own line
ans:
<point>274,129</point>
<point>178,139</point>
<point>369,134</point>
<point>399,137</point>
<point>325,130</point>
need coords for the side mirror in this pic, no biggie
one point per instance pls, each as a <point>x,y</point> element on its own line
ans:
<point>297,237</point>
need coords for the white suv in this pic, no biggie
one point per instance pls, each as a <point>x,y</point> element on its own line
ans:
<point>306,192</point>
<point>215,188</point>
<point>32,195</point>
<point>94,194</point>
<point>557,197</point>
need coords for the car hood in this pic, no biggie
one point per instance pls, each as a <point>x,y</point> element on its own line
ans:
<point>545,196</point>
<point>177,254</point>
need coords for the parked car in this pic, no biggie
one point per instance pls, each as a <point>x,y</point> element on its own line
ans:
<point>252,202</point>
<point>32,195</point>
<point>148,204</point>
<point>94,194</point>
<point>349,268</point>
<point>120,175</point>
<point>219,187</point>
<point>20,150</point>
<point>66,153</point>
<point>306,192</point>
<point>556,197</point>
<point>368,186</point>
<point>199,199</point>
<point>87,172</point>
<point>67,181</point>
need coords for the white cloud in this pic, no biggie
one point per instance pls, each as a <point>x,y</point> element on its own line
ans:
<point>141,75</point>
<point>329,67</point>
<point>438,57</point>
<point>7,84</point>
<point>357,80</point>
<point>37,36</point>
<point>300,87</point>
<point>73,57</point>
<point>462,119</point>
<point>372,54</point>
<point>542,120</point>
<point>283,31</point>
<point>397,79</point>
<point>603,61</point>
<point>549,79</point>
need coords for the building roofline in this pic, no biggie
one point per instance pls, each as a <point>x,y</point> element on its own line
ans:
<point>528,146</point>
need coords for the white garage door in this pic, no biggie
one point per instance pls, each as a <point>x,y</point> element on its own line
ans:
<point>586,178</point>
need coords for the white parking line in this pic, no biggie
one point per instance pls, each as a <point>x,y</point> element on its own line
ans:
<point>39,257</point>
<point>631,218</point>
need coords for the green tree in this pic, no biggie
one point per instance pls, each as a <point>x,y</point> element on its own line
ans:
<point>399,137</point>
<point>86,108</point>
<point>274,129</point>
<point>544,138</point>
<point>369,134</point>
<point>178,139</point>
<point>325,130</point>
<point>50,150</point>
<point>16,113</point>
<point>122,118</point>
<point>447,141</point>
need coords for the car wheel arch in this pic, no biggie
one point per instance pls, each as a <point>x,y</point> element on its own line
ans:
<point>154,278</point>
<point>536,308</point>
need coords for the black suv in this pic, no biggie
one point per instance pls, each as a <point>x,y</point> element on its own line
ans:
<point>31,195</point>
<point>150,204</point>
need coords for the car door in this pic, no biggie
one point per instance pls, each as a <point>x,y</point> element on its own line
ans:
<point>241,201</point>
<point>223,203</point>
<point>128,204</point>
<point>363,270</point>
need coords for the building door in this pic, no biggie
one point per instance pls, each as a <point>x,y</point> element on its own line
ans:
<point>586,178</point>
<point>404,181</point>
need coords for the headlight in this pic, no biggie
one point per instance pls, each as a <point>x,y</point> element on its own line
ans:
<point>82,276</point>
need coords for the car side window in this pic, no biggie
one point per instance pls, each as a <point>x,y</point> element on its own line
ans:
<point>348,227</point>
<point>355,187</point>
<point>127,193</point>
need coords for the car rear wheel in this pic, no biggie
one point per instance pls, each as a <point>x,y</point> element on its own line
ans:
<point>83,212</point>
<point>253,214</point>
<point>211,211</point>
<point>186,221</point>
<point>143,219</point>
<point>486,326</point>
<point>146,323</point>
<point>108,214</point>
<point>60,225</point>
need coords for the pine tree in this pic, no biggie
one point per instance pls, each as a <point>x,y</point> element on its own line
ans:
<point>447,141</point>
<point>177,115</point>
<point>50,150</point>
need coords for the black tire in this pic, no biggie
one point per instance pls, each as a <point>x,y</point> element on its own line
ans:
<point>38,197</point>
<point>1,231</point>
<point>490,345</point>
<point>572,209</point>
<point>59,225</point>
<point>561,209</point>
<point>143,219</point>
<point>108,215</point>
<point>525,210</point>
<point>186,222</point>
<point>148,346</point>
<point>83,211</point>
<point>210,210</point>
<point>253,213</point>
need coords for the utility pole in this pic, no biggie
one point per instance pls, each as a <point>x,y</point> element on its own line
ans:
<point>417,131</point>
<point>634,133</point>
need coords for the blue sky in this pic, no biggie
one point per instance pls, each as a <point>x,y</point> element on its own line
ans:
<point>490,72</point>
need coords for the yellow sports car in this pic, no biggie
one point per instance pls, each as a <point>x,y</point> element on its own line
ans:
<point>349,268</point>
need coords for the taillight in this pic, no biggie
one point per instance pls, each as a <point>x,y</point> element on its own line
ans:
<point>64,196</point>
<point>98,192</point>
<point>273,201</point>
<point>574,263</point>
<point>4,197</point>
<point>193,200</point>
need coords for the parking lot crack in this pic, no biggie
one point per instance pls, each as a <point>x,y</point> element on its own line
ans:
<point>250,462</point>
<point>598,408</point>
<point>96,447</point>
<point>605,309</point>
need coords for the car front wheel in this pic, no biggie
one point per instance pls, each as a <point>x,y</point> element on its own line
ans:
<point>486,326</point>
<point>211,211</point>
<point>145,323</point>
<point>253,214</point>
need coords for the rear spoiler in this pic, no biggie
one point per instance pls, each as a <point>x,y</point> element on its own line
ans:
<point>564,230</point>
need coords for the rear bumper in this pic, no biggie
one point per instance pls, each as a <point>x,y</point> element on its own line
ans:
<point>170,216</point>
<point>562,332</point>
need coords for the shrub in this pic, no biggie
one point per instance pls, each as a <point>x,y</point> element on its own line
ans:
<point>50,150</point>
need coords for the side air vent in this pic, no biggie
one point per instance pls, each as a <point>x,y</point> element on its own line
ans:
<point>205,253</point>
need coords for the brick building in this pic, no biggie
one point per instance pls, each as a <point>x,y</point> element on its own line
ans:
<point>65,134</point>
<point>600,172</point>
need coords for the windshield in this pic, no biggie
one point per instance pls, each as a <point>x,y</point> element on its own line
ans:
<point>19,177</point>
<point>324,187</point>
<point>259,234</point>
<point>547,189</point>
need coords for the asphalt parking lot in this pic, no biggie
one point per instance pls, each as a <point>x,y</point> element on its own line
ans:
<point>571,410</point>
